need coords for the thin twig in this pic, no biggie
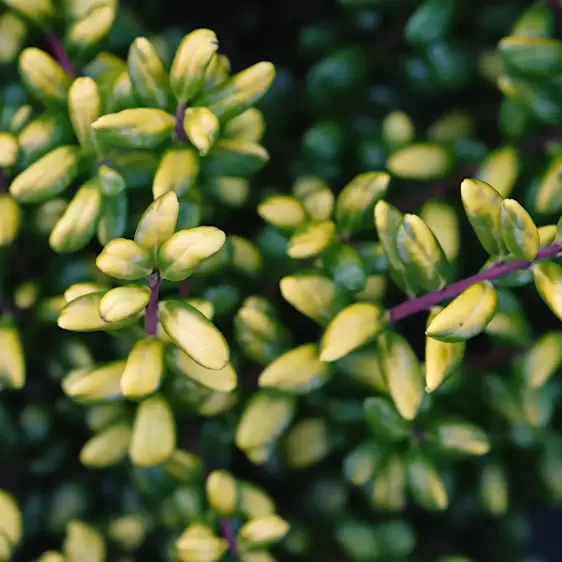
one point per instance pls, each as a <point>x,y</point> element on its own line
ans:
<point>230,536</point>
<point>425,302</point>
<point>180,131</point>
<point>151,314</point>
<point>61,55</point>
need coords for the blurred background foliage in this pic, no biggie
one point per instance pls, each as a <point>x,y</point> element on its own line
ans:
<point>356,81</point>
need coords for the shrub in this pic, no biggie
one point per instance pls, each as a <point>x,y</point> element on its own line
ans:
<point>204,360</point>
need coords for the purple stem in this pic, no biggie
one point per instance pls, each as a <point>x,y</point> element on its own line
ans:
<point>180,131</point>
<point>230,536</point>
<point>413,306</point>
<point>151,314</point>
<point>61,55</point>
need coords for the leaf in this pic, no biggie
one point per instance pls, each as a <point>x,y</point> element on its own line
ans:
<point>542,360</point>
<point>425,485</point>
<point>235,158</point>
<point>93,385</point>
<point>124,259</point>
<point>548,198</point>
<point>220,380</point>
<point>459,437</point>
<point>194,334</point>
<point>76,227</point>
<point>354,326</point>
<point>148,75</point>
<point>421,254</point>
<point>154,433</point>
<point>389,485</point>
<point>191,63</point>
<point>263,531</point>
<point>548,279</point>
<point>442,220</point>
<point>519,232</point>
<point>185,250</point>
<point>420,161</point>
<point>307,443</point>
<point>123,303</point>
<point>402,373</point>
<point>199,542</point>
<point>441,359</point>
<point>313,294</point>
<point>264,419</point>
<point>500,169</point>
<point>384,420</point>
<point>466,316</point>
<point>316,196</point>
<point>356,201</point>
<point>177,171</point>
<point>222,492</point>
<point>283,211</point>
<point>108,447</point>
<point>9,150</point>
<point>47,177</point>
<point>494,489</point>
<point>84,107</point>
<point>10,219</point>
<point>12,357</point>
<point>83,542</point>
<point>298,371</point>
<point>158,222</point>
<point>202,128</point>
<point>11,522</point>
<point>139,127</point>
<point>111,182</point>
<point>240,92</point>
<point>82,314</point>
<point>346,267</point>
<point>534,57</point>
<point>311,240</point>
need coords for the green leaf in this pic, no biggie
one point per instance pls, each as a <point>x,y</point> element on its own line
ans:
<point>354,326</point>
<point>355,203</point>
<point>124,259</point>
<point>283,211</point>
<point>430,22</point>
<point>122,303</point>
<point>457,436</point>
<point>482,204</point>
<point>420,161</point>
<point>519,232</point>
<point>535,57</point>
<point>311,240</point>
<point>194,334</point>
<point>177,171</point>
<point>425,484</point>
<point>144,368</point>
<point>421,254</point>
<point>402,373</point>
<point>548,279</point>
<point>346,267</point>
<point>384,420</point>
<point>542,361</point>
<point>235,158</point>
<point>500,169</point>
<point>466,316</point>
<point>202,128</point>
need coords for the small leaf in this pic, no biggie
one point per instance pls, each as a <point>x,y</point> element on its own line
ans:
<point>421,161</point>
<point>185,250</point>
<point>311,240</point>
<point>313,293</point>
<point>542,360</point>
<point>10,219</point>
<point>108,447</point>
<point>384,420</point>
<point>494,489</point>
<point>425,485</point>
<point>83,542</point>
<point>198,542</point>
<point>201,127</point>
<point>548,197</point>
<point>158,222</point>
<point>442,220</point>
<point>316,196</point>
<point>222,492</point>
<point>144,368</point>
<point>111,182</point>
<point>519,232</point>
<point>421,254</point>
<point>139,127</point>
<point>535,57</point>
<point>307,443</point>
<point>84,107</point>
<point>402,373</point>
<point>460,437</point>
<point>298,371</point>
<point>263,531</point>
<point>122,303</point>
<point>466,316</point>
<point>220,380</point>
<point>191,63</point>
<point>82,314</point>
<point>355,203</point>
<point>178,171</point>
<point>12,358</point>
<point>154,433</point>
<point>500,170</point>
<point>47,177</point>
<point>235,158</point>
<point>194,334</point>
<point>482,204</point>
<point>346,267</point>
<point>264,419</point>
<point>99,384</point>
<point>11,521</point>
<point>548,280</point>
<point>123,259</point>
<point>283,211</point>
<point>351,328</point>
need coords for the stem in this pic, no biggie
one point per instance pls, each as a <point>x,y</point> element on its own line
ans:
<point>61,55</point>
<point>180,131</point>
<point>151,314</point>
<point>230,536</point>
<point>413,306</point>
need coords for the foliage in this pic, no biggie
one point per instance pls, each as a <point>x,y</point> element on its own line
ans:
<point>347,355</point>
